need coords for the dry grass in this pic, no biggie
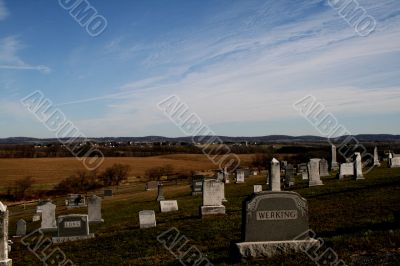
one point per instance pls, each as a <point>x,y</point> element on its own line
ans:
<point>49,171</point>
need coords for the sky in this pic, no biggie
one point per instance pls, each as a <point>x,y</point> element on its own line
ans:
<point>238,65</point>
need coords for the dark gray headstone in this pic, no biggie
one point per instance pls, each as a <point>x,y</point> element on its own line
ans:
<point>152,185</point>
<point>160,193</point>
<point>289,175</point>
<point>324,168</point>
<point>197,184</point>
<point>73,225</point>
<point>21,228</point>
<point>108,193</point>
<point>274,216</point>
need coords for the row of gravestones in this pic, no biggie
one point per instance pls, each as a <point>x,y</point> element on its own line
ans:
<point>69,227</point>
<point>273,221</point>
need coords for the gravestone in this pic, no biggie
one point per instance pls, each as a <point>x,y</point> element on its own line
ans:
<point>226,175</point>
<point>108,193</point>
<point>304,175</point>
<point>147,219</point>
<point>152,185</point>
<point>257,188</point>
<point>213,196</point>
<point>358,166</point>
<point>302,168</point>
<point>48,212</point>
<point>168,205</point>
<point>376,157</point>
<point>289,175</point>
<point>334,164</point>
<point>314,178</point>
<point>239,176</point>
<point>75,200</point>
<point>4,248</point>
<point>21,228</point>
<point>94,209</point>
<point>197,185</point>
<point>275,175</point>
<point>323,168</point>
<point>72,227</point>
<point>274,223</point>
<point>394,162</point>
<point>160,192</point>
<point>346,169</point>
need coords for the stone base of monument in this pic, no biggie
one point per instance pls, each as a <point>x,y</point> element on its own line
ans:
<point>197,193</point>
<point>63,239</point>
<point>7,262</point>
<point>212,210</point>
<point>248,250</point>
<point>360,177</point>
<point>48,230</point>
<point>315,183</point>
<point>97,221</point>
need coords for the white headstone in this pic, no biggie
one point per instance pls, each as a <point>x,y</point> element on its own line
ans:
<point>346,169</point>
<point>334,164</point>
<point>213,196</point>
<point>275,175</point>
<point>4,248</point>
<point>358,166</point>
<point>376,157</point>
<point>257,188</point>
<point>313,173</point>
<point>239,176</point>
<point>147,219</point>
<point>168,205</point>
<point>394,162</point>
<point>94,209</point>
<point>48,217</point>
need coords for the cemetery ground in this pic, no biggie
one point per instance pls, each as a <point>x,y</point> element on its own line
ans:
<point>360,220</point>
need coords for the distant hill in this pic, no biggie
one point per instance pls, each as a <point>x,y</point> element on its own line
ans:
<point>226,139</point>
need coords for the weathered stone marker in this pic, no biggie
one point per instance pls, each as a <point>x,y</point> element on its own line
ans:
<point>48,211</point>
<point>152,185</point>
<point>239,176</point>
<point>358,166</point>
<point>274,223</point>
<point>75,200</point>
<point>108,193</point>
<point>21,228</point>
<point>4,260</point>
<point>72,227</point>
<point>275,175</point>
<point>94,209</point>
<point>376,157</point>
<point>213,196</point>
<point>147,219</point>
<point>324,168</point>
<point>168,205</point>
<point>289,175</point>
<point>394,162</point>
<point>346,169</point>
<point>197,185</point>
<point>257,188</point>
<point>160,192</point>
<point>314,178</point>
<point>334,164</point>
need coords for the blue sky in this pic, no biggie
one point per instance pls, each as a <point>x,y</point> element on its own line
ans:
<point>239,65</point>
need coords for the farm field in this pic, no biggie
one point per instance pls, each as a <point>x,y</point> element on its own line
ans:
<point>49,171</point>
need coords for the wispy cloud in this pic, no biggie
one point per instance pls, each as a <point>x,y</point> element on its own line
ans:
<point>3,10</point>
<point>9,59</point>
